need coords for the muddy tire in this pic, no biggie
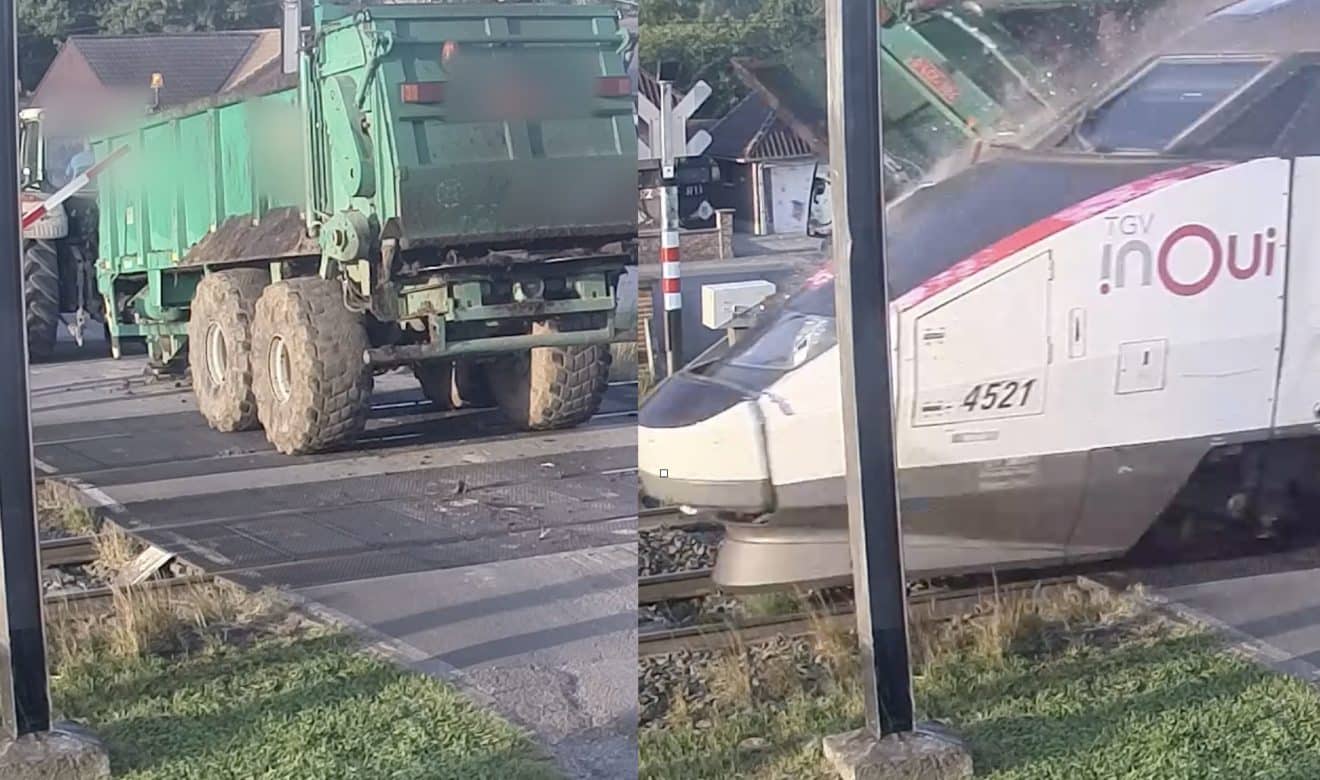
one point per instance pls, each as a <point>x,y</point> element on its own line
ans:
<point>623,362</point>
<point>312,387</point>
<point>472,385</point>
<point>551,387</point>
<point>220,347</point>
<point>437,380</point>
<point>454,385</point>
<point>41,292</point>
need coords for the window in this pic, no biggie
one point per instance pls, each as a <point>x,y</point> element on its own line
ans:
<point>1162,103</point>
<point>1261,124</point>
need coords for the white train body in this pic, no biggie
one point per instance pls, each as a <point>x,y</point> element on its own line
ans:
<point>1074,337</point>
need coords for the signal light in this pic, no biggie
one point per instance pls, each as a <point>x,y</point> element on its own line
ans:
<point>613,86</point>
<point>423,92</point>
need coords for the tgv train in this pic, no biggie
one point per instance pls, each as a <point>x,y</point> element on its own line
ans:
<point>1121,321</point>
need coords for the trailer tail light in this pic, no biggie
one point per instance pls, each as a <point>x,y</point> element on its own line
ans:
<point>613,86</point>
<point>423,92</point>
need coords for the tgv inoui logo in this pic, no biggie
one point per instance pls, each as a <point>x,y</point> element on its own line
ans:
<point>1201,255</point>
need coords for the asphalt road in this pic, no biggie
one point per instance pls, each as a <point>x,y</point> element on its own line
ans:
<point>501,560</point>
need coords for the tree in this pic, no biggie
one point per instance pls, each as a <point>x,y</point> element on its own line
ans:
<point>118,17</point>
<point>702,36</point>
<point>41,26</point>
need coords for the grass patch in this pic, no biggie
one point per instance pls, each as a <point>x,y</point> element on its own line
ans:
<point>59,513</point>
<point>216,683</point>
<point>771,604</point>
<point>210,682</point>
<point>312,707</point>
<point>1070,685</point>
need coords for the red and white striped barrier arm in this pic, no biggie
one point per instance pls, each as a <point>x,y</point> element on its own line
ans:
<point>68,190</point>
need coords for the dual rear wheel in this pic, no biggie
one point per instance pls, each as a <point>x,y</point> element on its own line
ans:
<point>287,356</point>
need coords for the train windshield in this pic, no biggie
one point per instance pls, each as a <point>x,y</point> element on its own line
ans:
<point>786,331</point>
<point>1165,101</point>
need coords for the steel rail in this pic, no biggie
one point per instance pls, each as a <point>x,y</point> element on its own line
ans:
<point>930,606</point>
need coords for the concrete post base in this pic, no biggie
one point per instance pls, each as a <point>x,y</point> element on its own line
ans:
<point>928,753</point>
<point>66,752</point>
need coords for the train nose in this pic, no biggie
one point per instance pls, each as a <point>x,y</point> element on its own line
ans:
<point>701,444</point>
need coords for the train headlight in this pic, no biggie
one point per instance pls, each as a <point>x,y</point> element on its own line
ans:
<point>788,343</point>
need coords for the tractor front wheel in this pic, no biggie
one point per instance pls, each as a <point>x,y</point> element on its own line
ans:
<point>313,387</point>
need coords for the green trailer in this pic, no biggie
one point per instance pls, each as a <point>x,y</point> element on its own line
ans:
<point>445,187</point>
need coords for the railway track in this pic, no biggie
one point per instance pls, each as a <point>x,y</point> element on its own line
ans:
<point>675,585</point>
<point>655,518</point>
<point>71,551</point>
<point>926,606</point>
<point>99,599</point>
<point>82,550</point>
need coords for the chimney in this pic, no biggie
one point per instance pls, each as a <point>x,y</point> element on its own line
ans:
<point>290,31</point>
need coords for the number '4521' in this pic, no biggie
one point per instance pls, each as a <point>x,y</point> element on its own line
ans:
<point>1005,394</point>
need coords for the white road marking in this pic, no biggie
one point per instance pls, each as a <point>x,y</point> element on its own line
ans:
<point>579,440</point>
<point>608,415</point>
<point>80,439</point>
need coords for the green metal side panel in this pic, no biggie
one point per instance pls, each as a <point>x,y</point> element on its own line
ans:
<point>159,195</point>
<point>196,151</point>
<point>552,159</point>
<point>190,170</point>
<point>561,164</point>
<point>235,173</point>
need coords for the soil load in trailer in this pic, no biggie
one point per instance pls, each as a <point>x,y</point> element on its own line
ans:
<point>1121,327</point>
<point>447,187</point>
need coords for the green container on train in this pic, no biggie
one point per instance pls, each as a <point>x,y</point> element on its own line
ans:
<point>447,187</point>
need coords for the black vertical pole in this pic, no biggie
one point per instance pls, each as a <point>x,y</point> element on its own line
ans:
<point>861,303</point>
<point>18,522</point>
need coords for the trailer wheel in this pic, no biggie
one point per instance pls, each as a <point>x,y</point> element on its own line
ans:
<point>623,361</point>
<point>473,385</point>
<point>437,380</point>
<point>551,387</point>
<point>454,384</point>
<point>41,291</point>
<point>220,347</point>
<point>312,386</point>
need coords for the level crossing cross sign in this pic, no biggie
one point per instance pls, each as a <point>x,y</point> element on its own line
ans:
<point>669,140</point>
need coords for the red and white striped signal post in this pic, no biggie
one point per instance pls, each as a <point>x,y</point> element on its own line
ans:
<point>671,275</point>
<point>668,139</point>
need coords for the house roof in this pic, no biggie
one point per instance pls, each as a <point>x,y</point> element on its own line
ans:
<point>193,65</point>
<point>751,132</point>
<point>648,85</point>
<point>262,61</point>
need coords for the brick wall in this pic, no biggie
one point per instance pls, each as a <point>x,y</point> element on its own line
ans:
<point>712,244</point>
<point>644,310</point>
